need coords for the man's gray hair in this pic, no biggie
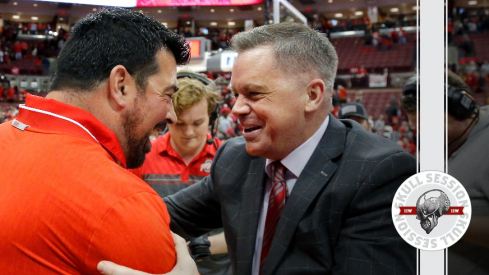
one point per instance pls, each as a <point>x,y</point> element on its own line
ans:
<point>298,49</point>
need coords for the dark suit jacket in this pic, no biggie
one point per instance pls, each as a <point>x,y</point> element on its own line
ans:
<point>337,220</point>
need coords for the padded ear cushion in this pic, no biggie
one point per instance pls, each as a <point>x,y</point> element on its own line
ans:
<point>408,98</point>
<point>460,103</point>
<point>198,77</point>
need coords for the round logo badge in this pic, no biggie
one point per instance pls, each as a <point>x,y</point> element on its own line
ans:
<point>431,210</point>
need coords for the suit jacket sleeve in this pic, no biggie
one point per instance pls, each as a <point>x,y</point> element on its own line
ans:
<point>368,240</point>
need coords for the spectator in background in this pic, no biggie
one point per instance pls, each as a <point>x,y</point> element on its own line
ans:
<point>408,102</point>
<point>10,94</point>
<point>472,79</point>
<point>24,47</point>
<point>370,122</point>
<point>387,132</point>
<point>484,69</point>
<point>379,124</point>
<point>471,67</point>
<point>362,72</point>
<point>401,35</point>
<point>355,111</point>
<point>393,113</point>
<point>225,122</point>
<point>387,42</point>
<point>377,40</point>
<point>6,56</point>
<point>395,35</point>
<point>408,145</point>
<point>33,28</point>
<point>341,92</point>
<point>368,36</point>
<point>183,156</point>
<point>466,47</point>
<point>18,50</point>
<point>361,77</point>
<point>45,63</point>
<point>2,92</point>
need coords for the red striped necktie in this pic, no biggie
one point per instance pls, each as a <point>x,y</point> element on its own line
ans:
<point>276,203</point>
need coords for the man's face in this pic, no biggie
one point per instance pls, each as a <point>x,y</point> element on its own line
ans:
<point>362,121</point>
<point>412,119</point>
<point>189,133</point>
<point>270,104</point>
<point>366,125</point>
<point>150,107</point>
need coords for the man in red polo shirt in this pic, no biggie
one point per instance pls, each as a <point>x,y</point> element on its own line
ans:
<point>183,156</point>
<point>67,199</point>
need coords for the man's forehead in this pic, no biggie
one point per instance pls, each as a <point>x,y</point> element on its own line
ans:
<point>249,87</point>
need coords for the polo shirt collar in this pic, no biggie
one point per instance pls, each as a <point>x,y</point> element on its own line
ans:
<point>165,147</point>
<point>51,115</point>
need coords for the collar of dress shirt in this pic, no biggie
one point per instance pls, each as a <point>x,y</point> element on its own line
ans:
<point>297,159</point>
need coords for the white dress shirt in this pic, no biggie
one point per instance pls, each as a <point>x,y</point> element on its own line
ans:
<point>295,163</point>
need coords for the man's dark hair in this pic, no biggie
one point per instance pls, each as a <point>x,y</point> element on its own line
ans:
<point>114,37</point>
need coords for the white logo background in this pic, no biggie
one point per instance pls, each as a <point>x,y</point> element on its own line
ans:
<point>450,228</point>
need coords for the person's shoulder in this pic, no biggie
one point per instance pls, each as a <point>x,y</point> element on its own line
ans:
<point>235,143</point>
<point>233,148</point>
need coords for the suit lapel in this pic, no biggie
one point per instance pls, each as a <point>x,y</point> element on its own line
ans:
<point>315,176</point>
<point>252,200</point>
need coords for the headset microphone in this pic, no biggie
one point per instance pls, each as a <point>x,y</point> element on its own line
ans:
<point>213,121</point>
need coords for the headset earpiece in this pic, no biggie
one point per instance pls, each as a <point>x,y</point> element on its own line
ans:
<point>461,104</point>
<point>198,77</point>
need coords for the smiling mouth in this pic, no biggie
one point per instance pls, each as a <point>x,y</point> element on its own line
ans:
<point>249,130</point>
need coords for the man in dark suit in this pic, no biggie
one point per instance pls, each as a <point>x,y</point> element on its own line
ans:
<point>339,180</point>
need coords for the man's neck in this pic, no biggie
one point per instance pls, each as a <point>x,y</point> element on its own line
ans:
<point>458,141</point>
<point>186,155</point>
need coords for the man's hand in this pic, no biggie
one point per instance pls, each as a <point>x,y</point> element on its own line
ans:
<point>185,265</point>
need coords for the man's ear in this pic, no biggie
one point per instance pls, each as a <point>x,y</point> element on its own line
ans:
<point>316,90</point>
<point>121,84</point>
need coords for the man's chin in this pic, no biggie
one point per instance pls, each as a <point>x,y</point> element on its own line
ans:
<point>148,146</point>
<point>253,149</point>
<point>139,155</point>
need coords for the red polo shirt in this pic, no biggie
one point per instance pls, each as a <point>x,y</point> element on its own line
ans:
<point>166,171</point>
<point>67,201</point>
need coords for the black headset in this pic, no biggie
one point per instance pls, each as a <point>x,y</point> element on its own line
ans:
<point>408,98</point>
<point>461,104</point>
<point>215,114</point>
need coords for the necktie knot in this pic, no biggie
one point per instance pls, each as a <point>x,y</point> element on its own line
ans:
<point>278,172</point>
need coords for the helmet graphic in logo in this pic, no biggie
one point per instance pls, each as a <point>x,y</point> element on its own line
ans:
<point>430,206</point>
